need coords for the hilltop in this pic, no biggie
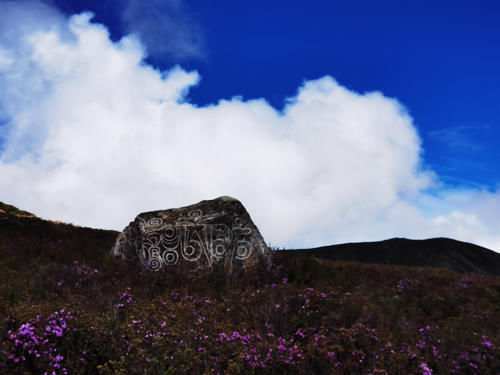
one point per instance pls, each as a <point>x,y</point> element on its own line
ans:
<point>11,210</point>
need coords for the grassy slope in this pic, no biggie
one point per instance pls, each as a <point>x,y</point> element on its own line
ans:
<point>304,316</point>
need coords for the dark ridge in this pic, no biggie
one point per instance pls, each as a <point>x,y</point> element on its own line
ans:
<point>455,255</point>
<point>11,210</point>
<point>25,239</point>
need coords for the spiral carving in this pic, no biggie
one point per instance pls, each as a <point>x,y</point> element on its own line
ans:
<point>154,264</point>
<point>195,214</point>
<point>192,237</point>
<point>219,249</point>
<point>243,250</point>
<point>155,221</point>
<point>170,257</point>
<point>170,237</point>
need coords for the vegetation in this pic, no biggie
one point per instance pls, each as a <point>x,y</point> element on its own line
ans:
<point>68,307</point>
<point>7,208</point>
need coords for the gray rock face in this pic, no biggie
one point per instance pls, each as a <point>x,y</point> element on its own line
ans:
<point>211,233</point>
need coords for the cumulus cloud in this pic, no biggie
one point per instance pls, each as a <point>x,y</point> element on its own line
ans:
<point>95,136</point>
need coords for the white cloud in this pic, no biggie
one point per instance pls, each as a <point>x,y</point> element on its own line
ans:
<point>97,136</point>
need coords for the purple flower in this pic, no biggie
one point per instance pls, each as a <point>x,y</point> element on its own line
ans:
<point>425,369</point>
<point>487,343</point>
<point>299,333</point>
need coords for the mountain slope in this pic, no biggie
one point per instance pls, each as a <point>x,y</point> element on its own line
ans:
<point>25,238</point>
<point>436,252</point>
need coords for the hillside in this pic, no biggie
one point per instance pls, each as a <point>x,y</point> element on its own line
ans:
<point>67,306</point>
<point>26,239</point>
<point>11,210</point>
<point>436,252</point>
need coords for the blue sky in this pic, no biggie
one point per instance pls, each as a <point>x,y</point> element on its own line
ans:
<point>440,59</point>
<point>434,66</point>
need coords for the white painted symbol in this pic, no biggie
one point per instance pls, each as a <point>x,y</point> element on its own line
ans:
<point>192,238</point>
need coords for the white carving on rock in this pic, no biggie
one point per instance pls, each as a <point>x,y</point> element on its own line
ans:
<point>192,238</point>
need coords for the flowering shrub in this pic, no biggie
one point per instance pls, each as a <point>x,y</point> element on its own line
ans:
<point>36,345</point>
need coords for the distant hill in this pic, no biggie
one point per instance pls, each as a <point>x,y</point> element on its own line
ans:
<point>436,252</point>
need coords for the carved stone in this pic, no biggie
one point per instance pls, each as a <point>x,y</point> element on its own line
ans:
<point>203,235</point>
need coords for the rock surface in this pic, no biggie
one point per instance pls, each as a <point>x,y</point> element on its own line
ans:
<point>211,233</point>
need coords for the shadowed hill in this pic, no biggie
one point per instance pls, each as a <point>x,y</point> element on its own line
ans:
<point>25,238</point>
<point>436,252</point>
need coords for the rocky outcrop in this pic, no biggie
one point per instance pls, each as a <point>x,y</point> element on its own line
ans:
<point>211,233</point>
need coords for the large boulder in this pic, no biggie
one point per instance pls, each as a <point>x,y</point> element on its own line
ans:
<point>212,233</point>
